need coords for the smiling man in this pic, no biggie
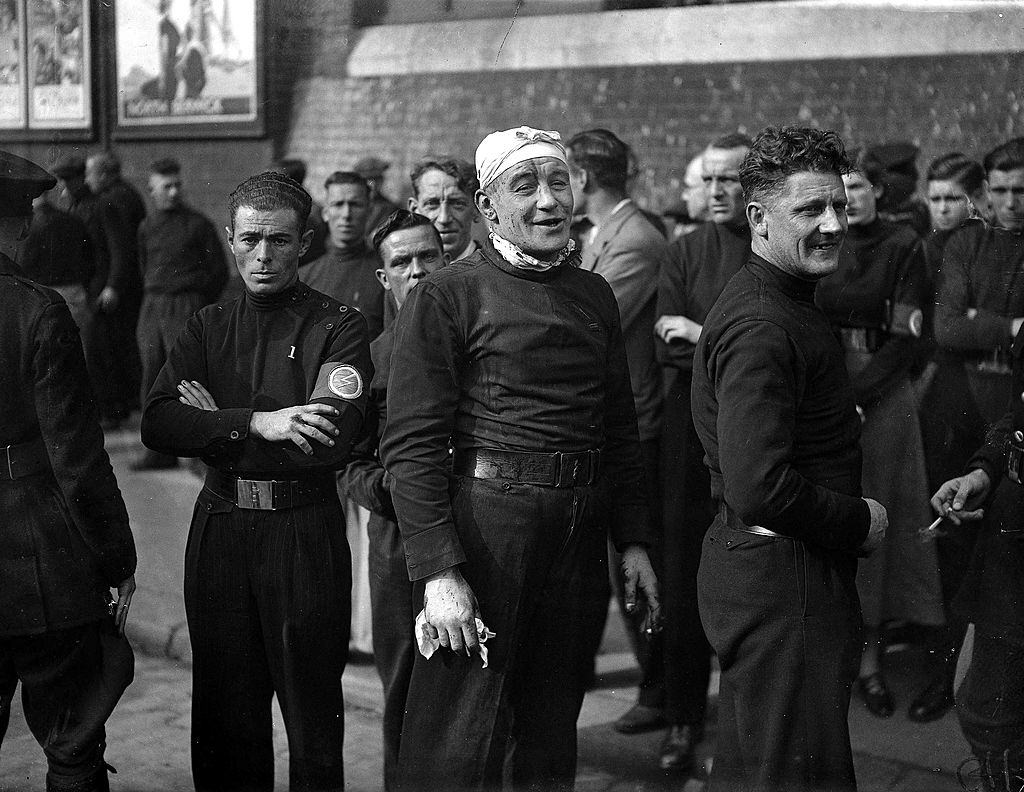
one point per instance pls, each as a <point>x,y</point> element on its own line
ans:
<point>269,390</point>
<point>514,357</point>
<point>774,409</point>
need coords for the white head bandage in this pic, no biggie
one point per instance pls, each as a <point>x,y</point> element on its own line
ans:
<point>499,151</point>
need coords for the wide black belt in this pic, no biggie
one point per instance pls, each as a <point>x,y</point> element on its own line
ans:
<point>730,518</point>
<point>266,494</point>
<point>24,459</point>
<point>558,469</point>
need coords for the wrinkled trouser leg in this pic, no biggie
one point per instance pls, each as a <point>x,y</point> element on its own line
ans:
<point>535,558</point>
<point>65,701</point>
<point>785,621</point>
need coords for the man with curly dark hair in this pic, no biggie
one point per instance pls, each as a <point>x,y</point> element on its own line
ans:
<point>774,409</point>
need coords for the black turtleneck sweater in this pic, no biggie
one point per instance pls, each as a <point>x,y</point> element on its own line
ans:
<point>773,407</point>
<point>349,276</point>
<point>262,353</point>
<point>490,356</point>
<point>180,251</point>
<point>882,277</point>
<point>982,268</point>
<point>700,264</point>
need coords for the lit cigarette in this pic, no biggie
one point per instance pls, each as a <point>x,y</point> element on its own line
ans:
<point>935,524</point>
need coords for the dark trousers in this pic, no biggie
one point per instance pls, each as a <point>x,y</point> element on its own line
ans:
<point>688,511</point>
<point>268,600</point>
<point>68,690</point>
<point>536,557</point>
<point>112,353</point>
<point>161,321</point>
<point>393,614</point>
<point>784,618</point>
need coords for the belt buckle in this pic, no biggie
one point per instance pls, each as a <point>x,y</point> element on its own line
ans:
<point>252,494</point>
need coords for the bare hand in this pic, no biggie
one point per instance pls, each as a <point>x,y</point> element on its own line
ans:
<point>296,424</point>
<point>677,328</point>
<point>879,525</point>
<point>108,299</point>
<point>964,491</point>
<point>125,590</point>
<point>451,611</point>
<point>195,395</point>
<point>637,573</point>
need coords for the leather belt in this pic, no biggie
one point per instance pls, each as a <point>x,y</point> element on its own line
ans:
<point>861,339</point>
<point>558,469</point>
<point>265,495</point>
<point>24,459</point>
<point>732,521</point>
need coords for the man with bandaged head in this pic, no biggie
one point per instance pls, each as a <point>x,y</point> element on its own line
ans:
<point>269,390</point>
<point>514,357</point>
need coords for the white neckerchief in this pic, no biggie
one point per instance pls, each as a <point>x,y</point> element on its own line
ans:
<point>520,260</point>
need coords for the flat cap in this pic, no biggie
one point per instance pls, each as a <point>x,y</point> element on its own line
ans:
<point>368,167</point>
<point>69,166</point>
<point>20,182</point>
<point>897,157</point>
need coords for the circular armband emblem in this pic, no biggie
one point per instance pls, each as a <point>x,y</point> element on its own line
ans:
<point>345,382</point>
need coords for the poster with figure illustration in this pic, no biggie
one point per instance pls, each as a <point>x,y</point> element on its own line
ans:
<point>57,46</point>
<point>186,63</point>
<point>12,58</point>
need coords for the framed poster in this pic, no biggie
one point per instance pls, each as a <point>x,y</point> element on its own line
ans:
<point>12,64</point>
<point>58,40</point>
<point>187,67</point>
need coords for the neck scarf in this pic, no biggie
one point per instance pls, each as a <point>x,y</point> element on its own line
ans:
<point>520,260</point>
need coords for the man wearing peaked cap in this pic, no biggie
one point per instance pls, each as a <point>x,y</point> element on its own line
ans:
<point>65,535</point>
<point>514,357</point>
<point>372,169</point>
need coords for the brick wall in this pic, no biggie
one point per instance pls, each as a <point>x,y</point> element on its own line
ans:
<point>965,102</point>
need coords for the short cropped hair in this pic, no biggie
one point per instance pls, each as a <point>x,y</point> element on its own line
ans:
<point>167,166</point>
<point>864,162</point>
<point>776,153</point>
<point>603,156</point>
<point>460,170</point>
<point>347,177</point>
<point>958,168</point>
<point>268,191</point>
<point>107,163</point>
<point>293,168</point>
<point>1009,156</point>
<point>731,140</point>
<point>400,220</point>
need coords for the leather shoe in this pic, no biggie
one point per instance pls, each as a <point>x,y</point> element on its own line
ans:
<point>933,702</point>
<point>640,718</point>
<point>876,695</point>
<point>677,749</point>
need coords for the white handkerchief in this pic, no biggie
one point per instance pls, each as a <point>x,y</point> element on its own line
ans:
<point>428,645</point>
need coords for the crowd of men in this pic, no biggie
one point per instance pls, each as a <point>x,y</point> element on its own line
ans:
<point>753,406</point>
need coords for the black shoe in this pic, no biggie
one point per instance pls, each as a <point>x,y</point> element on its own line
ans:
<point>678,747</point>
<point>934,701</point>
<point>640,718</point>
<point>876,695</point>
<point>154,461</point>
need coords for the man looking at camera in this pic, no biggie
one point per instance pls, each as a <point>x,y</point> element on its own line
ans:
<point>514,357</point>
<point>269,390</point>
<point>774,409</point>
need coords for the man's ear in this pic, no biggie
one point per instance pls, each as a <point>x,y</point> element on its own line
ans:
<point>756,218</point>
<point>382,276</point>
<point>412,204</point>
<point>230,234</point>
<point>878,190</point>
<point>307,240</point>
<point>447,257</point>
<point>323,213</point>
<point>485,206</point>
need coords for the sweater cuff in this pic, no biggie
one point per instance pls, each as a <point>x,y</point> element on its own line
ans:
<point>432,551</point>
<point>632,525</point>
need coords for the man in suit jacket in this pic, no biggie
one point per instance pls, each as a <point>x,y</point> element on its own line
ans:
<point>628,252</point>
